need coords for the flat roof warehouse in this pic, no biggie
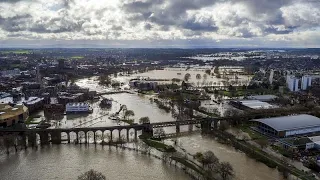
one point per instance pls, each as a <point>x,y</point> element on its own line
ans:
<point>291,122</point>
<point>252,104</point>
<point>289,125</point>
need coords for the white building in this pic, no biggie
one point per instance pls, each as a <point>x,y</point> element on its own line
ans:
<point>77,107</point>
<point>256,104</point>
<point>306,82</point>
<point>314,142</point>
<point>271,76</point>
<point>293,83</point>
<point>10,73</point>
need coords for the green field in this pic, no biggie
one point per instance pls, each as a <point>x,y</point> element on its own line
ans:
<point>253,134</point>
<point>20,51</point>
<point>77,57</point>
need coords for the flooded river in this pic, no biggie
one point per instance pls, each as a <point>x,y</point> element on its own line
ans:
<point>67,161</point>
<point>245,167</point>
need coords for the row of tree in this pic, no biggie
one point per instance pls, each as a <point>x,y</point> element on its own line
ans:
<point>212,166</point>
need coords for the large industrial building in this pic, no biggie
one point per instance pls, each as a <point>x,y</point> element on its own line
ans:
<point>289,125</point>
<point>251,104</point>
<point>263,98</point>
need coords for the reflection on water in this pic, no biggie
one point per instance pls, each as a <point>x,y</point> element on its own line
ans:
<point>69,161</point>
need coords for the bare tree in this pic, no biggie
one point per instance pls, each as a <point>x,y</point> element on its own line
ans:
<point>92,175</point>
<point>225,170</point>
<point>231,112</point>
<point>159,132</point>
<point>210,160</point>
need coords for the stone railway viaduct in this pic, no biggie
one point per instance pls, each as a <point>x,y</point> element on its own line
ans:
<point>28,137</point>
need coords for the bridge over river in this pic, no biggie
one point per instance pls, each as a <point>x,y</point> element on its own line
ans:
<point>29,136</point>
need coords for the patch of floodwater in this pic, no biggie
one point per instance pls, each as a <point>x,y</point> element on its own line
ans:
<point>244,166</point>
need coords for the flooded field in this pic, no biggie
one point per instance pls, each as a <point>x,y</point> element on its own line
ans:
<point>110,161</point>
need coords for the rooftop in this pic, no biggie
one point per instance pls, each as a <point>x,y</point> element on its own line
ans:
<point>256,104</point>
<point>7,111</point>
<point>291,122</point>
<point>262,97</point>
<point>33,100</point>
<point>29,101</point>
<point>78,104</point>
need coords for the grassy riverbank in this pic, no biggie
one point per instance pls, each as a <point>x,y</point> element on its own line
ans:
<point>160,146</point>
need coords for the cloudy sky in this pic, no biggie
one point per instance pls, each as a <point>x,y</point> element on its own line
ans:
<point>159,23</point>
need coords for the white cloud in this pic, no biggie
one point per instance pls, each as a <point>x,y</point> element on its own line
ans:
<point>155,20</point>
<point>304,15</point>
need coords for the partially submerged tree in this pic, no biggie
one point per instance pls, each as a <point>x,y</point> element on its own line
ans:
<point>128,113</point>
<point>198,156</point>
<point>210,160</point>
<point>187,77</point>
<point>225,170</point>
<point>159,132</point>
<point>216,70</point>
<point>115,84</point>
<point>144,120</point>
<point>92,175</point>
<point>207,159</point>
<point>175,80</point>
<point>198,76</point>
<point>104,80</point>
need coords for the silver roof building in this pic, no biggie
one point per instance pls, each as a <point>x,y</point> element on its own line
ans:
<point>286,123</point>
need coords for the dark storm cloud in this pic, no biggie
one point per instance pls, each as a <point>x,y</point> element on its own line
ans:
<point>50,28</point>
<point>265,6</point>
<point>269,8</point>
<point>173,15</point>
<point>10,1</point>
<point>25,23</point>
<point>147,26</point>
<point>15,23</point>
<point>193,25</point>
<point>116,28</point>
<point>157,19</point>
<point>272,30</point>
<point>68,3</point>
